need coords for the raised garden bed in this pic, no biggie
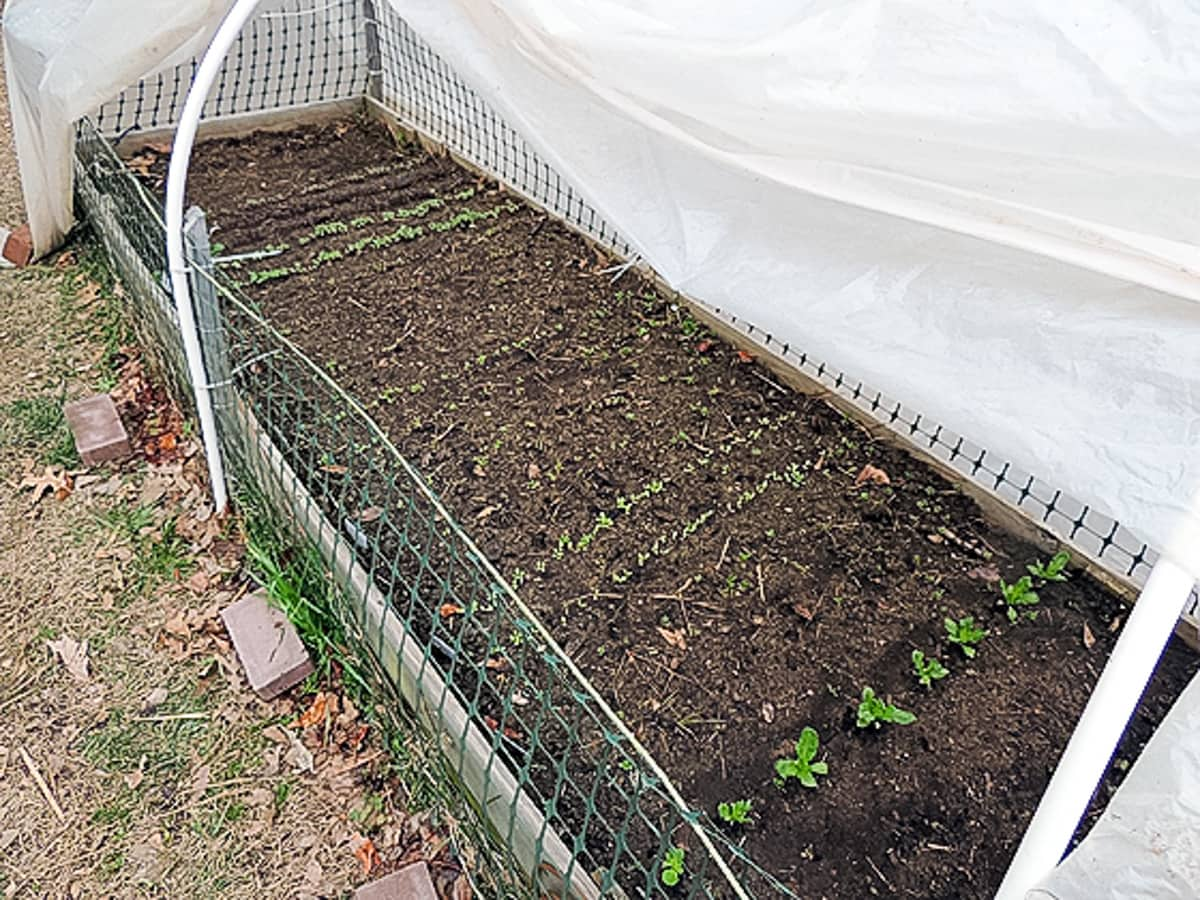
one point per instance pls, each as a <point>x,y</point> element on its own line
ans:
<point>710,547</point>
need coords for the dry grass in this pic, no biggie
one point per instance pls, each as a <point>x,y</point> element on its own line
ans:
<point>190,798</point>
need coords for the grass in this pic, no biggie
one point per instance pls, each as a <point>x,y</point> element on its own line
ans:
<point>37,423</point>
<point>160,554</point>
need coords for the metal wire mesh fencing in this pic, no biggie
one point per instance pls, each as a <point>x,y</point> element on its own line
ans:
<point>554,791</point>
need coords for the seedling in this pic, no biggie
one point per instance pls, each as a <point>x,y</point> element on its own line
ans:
<point>927,669</point>
<point>672,866</point>
<point>966,634</point>
<point>735,813</point>
<point>801,766</point>
<point>874,712</point>
<point>1017,595</point>
<point>1055,570</point>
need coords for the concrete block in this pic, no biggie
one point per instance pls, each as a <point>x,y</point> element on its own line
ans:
<point>18,246</point>
<point>410,883</point>
<point>268,646</point>
<point>99,434</point>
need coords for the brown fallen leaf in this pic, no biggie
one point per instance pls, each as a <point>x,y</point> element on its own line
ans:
<point>1115,625</point>
<point>674,638</point>
<point>162,148</point>
<point>987,574</point>
<point>534,471</point>
<point>335,470</point>
<point>802,611</point>
<point>177,627</point>
<point>53,479</point>
<point>167,441</point>
<point>370,514</point>
<point>498,664</point>
<point>1089,639</point>
<point>73,654</point>
<point>367,855</point>
<point>136,777</point>
<point>198,583</point>
<point>872,474</point>
<point>744,356</point>
<point>447,610</point>
<point>315,714</point>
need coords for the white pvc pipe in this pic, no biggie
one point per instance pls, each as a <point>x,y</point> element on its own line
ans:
<point>181,153</point>
<point>1095,739</point>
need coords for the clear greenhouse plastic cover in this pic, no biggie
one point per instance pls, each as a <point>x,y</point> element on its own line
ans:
<point>990,210</point>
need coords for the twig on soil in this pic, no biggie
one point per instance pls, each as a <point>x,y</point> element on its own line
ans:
<point>41,783</point>
<point>453,425</point>
<point>170,717</point>
<point>639,658</point>
<point>882,877</point>
<point>761,377</point>
<point>762,592</point>
<point>724,552</point>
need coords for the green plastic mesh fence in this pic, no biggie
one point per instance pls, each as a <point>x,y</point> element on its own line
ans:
<point>549,789</point>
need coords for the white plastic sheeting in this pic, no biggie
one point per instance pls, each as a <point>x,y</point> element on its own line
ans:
<point>990,210</point>
<point>1146,846</point>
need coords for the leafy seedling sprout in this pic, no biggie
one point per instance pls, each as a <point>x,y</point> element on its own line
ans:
<point>672,866</point>
<point>966,634</point>
<point>927,669</point>
<point>801,766</point>
<point>735,813</point>
<point>1055,570</point>
<point>874,712</point>
<point>1018,595</point>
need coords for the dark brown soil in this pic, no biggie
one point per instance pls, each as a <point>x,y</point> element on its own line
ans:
<point>692,533</point>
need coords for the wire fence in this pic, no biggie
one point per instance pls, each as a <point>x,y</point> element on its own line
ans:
<point>556,794</point>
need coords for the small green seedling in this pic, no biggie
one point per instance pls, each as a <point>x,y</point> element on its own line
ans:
<point>966,634</point>
<point>873,711</point>
<point>1017,595</point>
<point>801,766</point>
<point>672,866</point>
<point>735,813</point>
<point>1055,570</point>
<point>927,669</point>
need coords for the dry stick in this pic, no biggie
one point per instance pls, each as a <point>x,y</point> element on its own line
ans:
<point>41,783</point>
<point>673,672</point>
<point>762,594</point>
<point>170,717</point>
<point>724,551</point>
<point>882,877</point>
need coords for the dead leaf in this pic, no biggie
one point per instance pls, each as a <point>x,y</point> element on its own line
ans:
<point>802,611</point>
<point>176,626</point>
<point>167,441</point>
<point>53,479</point>
<point>198,583</point>
<point>1089,639</point>
<point>986,574</point>
<point>370,514</point>
<point>498,664</point>
<point>201,776</point>
<point>135,778</point>
<point>367,855</point>
<point>704,346</point>
<point>315,714</point>
<point>154,700</point>
<point>534,471</point>
<point>674,638</point>
<point>142,163</point>
<point>1115,625</point>
<point>744,356</point>
<point>335,470</point>
<point>74,656</point>
<point>277,734</point>
<point>486,513</point>
<point>873,475</point>
<point>162,148</point>
<point>298,756</point>
<point>447,610</point>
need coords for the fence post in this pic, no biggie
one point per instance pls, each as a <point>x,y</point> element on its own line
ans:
<point>374,54</point>
<point>208,308</point>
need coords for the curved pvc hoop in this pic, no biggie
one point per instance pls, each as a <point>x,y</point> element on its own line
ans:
<point>181,154</point>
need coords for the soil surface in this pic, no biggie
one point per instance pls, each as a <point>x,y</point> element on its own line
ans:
<point>698,538</point>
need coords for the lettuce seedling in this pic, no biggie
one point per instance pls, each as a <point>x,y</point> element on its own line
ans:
<point>801,766</point>
<point>1017,595</point>
<point>966,634</point>
<point>735,813</point>
<point>672,866</point>
<point>873,711</point>
<point>1055,570</point>
<point>927,669</point>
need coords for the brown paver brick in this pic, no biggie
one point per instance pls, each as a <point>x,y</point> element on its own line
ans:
<point>96,426</point>
<point>267,644</point>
